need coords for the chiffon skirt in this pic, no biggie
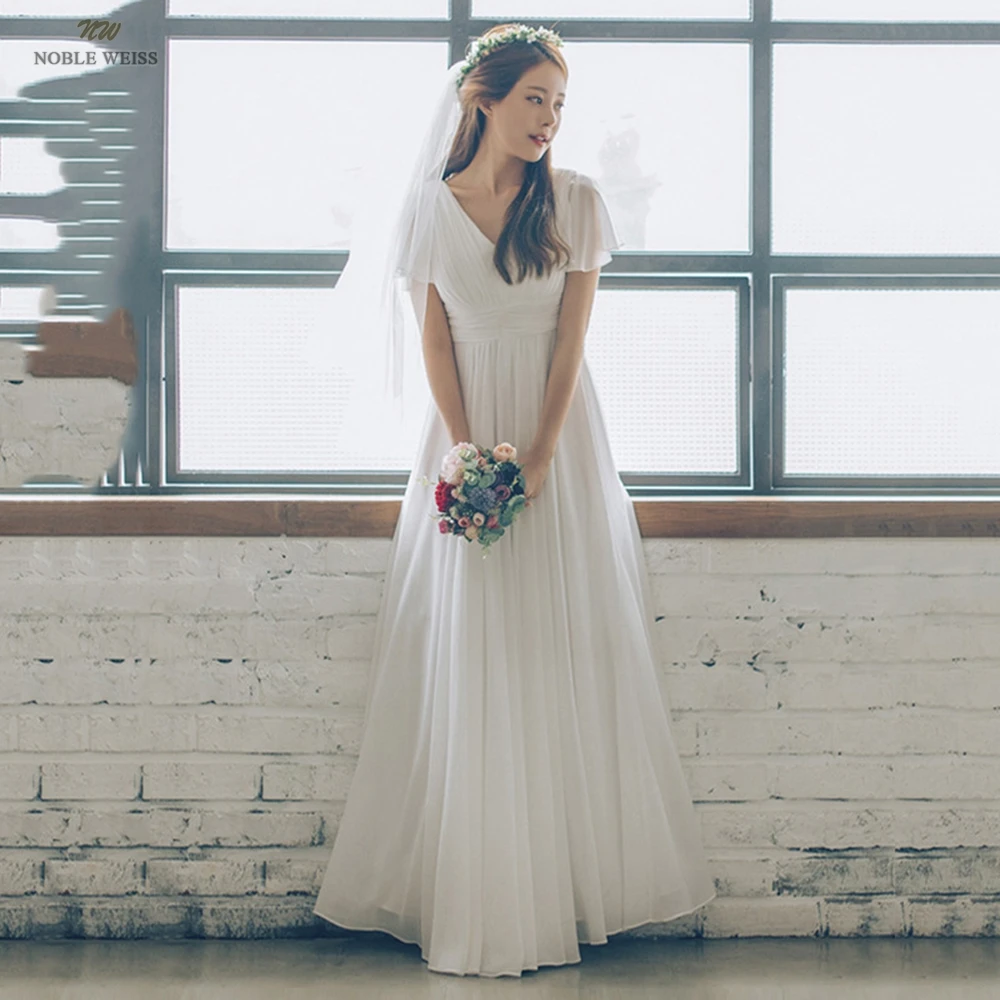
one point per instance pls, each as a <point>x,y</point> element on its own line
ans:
<point>517,790</point>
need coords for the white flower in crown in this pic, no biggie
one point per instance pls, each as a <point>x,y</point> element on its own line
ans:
<point>481,47</point>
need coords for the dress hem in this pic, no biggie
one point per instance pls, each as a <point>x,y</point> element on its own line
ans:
<point>527,968</point>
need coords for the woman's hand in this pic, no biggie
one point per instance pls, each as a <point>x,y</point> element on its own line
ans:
<point>534,469</point>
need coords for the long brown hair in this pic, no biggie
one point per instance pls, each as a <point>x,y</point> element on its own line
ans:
<point>529,231</point>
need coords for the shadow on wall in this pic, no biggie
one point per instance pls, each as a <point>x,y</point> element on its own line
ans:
<point>70,402</point>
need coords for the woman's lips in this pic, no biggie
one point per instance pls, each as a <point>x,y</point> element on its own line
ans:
<point>538,142</point>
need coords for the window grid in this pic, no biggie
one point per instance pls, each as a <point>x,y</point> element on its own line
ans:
<point>148,463</point>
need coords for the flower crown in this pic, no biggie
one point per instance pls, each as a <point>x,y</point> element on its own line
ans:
<point>481,47</point>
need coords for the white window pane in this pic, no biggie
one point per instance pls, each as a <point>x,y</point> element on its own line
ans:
<point>58,8</point>
<point>878,149</point>
<point>885,10</point>
<point>669,143</point>
<point>355,9</point>
<point>263,150</point>
<point>253,396</point>
<point>892,382</point>
<point>26,168</point>
<point>673,183</point>
<point>647,9</point>
<point>665,366</point>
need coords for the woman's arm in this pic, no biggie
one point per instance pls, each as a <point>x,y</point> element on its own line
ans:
<point>442,371</point>
<point>574,316</point>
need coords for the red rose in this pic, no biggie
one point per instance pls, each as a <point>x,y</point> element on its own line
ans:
<point>442,495</point>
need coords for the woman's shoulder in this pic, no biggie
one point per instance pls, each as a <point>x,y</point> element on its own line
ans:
<point>563,179</point>
<point>563,176</point>
<point>567,179</point>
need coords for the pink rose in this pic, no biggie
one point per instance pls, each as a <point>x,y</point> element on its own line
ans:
<point>502,491</point>
<point>453,464</point>
<point>443,527</point>
<point>493,521</point>
<point>504,452</point>
<point>452,470</point>
<point>464,522</point>
<point>478,518</point>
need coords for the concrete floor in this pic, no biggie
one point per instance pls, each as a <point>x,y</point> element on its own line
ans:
<point>375,967</point>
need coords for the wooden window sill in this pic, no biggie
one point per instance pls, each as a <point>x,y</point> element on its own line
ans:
<point>731,517</point>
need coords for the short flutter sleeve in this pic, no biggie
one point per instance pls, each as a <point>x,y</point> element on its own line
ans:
<point>591,230</point>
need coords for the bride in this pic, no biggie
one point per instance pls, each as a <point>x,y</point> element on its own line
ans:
<point>517,790</point>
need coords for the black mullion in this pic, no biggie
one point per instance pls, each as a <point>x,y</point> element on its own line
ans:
<point>153,366</point>
<point>763,407</point>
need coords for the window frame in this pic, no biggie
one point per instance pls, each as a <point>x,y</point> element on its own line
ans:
<point>148,469</point>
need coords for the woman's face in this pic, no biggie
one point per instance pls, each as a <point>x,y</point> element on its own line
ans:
<point>533,107</point>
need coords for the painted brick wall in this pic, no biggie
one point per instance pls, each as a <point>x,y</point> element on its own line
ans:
<point>180,718</point>
<point>66,428</point>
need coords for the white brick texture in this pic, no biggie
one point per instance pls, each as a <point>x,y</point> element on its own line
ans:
<point>180,721</point>
<point>66,427</point>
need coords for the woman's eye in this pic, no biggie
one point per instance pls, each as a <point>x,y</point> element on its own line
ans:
<point>560,106</point>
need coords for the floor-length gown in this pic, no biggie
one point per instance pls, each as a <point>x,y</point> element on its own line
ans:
<point>517,790</point>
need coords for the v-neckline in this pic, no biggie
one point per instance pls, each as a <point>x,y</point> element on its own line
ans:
<point>466,215</point>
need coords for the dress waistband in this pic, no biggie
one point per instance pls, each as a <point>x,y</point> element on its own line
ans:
<point>501,325</point>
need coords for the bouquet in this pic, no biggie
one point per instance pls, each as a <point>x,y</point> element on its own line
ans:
<point>479,492</point>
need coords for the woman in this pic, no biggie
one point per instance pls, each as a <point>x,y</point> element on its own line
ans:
<point>517,790</point>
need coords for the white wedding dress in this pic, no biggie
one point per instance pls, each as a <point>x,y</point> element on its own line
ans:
<point>518,790</point>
